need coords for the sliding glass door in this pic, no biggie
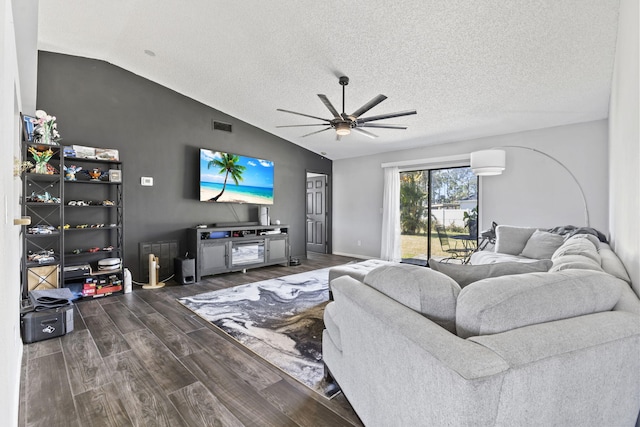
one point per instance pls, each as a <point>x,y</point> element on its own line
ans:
<point>438,213</point>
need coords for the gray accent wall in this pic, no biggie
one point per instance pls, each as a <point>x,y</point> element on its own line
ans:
<point>158,133</point>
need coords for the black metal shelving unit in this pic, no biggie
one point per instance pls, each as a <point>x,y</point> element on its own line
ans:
<point>42,237</point>
<point>75,234</point>
<point>93,211</point>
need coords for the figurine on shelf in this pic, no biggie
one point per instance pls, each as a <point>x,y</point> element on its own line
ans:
<point>95,174</point>
<point>42,198</point>
<point>70,172</point>
<point>41,158</point>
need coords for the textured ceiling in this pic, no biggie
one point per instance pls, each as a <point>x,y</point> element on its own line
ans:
<point>470,68</point>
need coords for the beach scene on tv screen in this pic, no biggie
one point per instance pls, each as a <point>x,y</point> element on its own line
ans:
<point>227,177</point>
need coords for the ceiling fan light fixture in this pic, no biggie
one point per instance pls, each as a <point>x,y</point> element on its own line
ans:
<point>343,129</point>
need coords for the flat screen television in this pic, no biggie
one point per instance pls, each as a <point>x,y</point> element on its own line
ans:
<point>227,177</point>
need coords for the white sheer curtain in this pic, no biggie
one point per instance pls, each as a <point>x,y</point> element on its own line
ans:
<point>390,249</point>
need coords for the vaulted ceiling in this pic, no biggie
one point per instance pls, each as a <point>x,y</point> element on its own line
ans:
<point>469,68</point>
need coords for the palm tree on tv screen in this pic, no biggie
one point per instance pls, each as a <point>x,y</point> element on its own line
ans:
<point>227,164</point>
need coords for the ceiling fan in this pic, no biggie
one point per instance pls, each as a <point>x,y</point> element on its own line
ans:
<point>345,123</point>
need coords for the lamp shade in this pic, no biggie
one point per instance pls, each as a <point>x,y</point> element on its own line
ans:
<point>488,162</point>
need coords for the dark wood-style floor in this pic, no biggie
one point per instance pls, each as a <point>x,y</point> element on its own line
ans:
<point>142,359</point>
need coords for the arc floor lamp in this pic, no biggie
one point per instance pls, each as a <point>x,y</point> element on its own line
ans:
<point>493,162</point>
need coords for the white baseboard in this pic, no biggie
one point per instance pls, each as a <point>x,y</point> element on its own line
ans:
<point>354,255</point>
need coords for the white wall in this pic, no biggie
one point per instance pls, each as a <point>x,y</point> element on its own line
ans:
<point>532,191</point>
<point>11,103</point>
<point>624,145</point>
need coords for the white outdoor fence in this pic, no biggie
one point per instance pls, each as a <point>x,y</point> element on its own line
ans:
<point>448,217</point>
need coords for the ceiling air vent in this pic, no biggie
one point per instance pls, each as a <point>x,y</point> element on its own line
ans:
<point>226,127</point>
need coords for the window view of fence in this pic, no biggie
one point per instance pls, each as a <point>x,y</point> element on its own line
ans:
<point>438,213</point>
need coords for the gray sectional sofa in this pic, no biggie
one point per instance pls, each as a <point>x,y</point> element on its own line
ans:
<point>409,346</point>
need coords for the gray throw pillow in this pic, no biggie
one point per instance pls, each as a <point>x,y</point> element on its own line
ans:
<point>512,240</point>
<point>542,245</point>
<point>465,274</point>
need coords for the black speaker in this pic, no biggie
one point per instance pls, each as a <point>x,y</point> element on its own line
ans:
<point>185,270</point>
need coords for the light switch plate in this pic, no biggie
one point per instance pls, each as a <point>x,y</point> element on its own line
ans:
<point>146,181</point>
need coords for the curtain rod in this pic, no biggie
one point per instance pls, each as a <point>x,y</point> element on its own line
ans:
<point>428,161</point>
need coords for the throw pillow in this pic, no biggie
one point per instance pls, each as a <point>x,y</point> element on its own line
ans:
<point>466,274</point>
<point>511,240</point>
<point>542,245</point>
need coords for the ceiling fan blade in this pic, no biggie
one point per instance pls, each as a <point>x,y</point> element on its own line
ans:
<point>301,114</point>
<point>387,116</point>
<point>297,126</point>
<point>365,132</point>
<point>368,106</point>
<point>318,131</point>
<point>381,126</point>
<point>329,105</point>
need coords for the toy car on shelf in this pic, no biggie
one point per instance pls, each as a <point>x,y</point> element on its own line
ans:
<point>41,229</point>
<point>41,257</point>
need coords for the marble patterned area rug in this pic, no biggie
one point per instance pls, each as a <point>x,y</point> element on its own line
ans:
<point>278,319</point>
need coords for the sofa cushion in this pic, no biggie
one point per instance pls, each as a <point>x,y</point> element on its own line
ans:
<point>426,291</point>
<point>465,274</point>
<point>489,257</point>
<point>500,304</point>
<point>612,264</point>
<point>575,262</point>
<point>542,245</point>
<point>582,244</point>
<point>512,240</point>
<point>330,324</point>
<point>578,252</point>
<point>357,270</point>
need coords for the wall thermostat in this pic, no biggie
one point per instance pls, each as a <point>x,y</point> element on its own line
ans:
<point>146,181</point>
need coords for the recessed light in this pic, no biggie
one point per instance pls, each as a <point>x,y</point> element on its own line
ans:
<point>323,153</point>
<point>149,52</point>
